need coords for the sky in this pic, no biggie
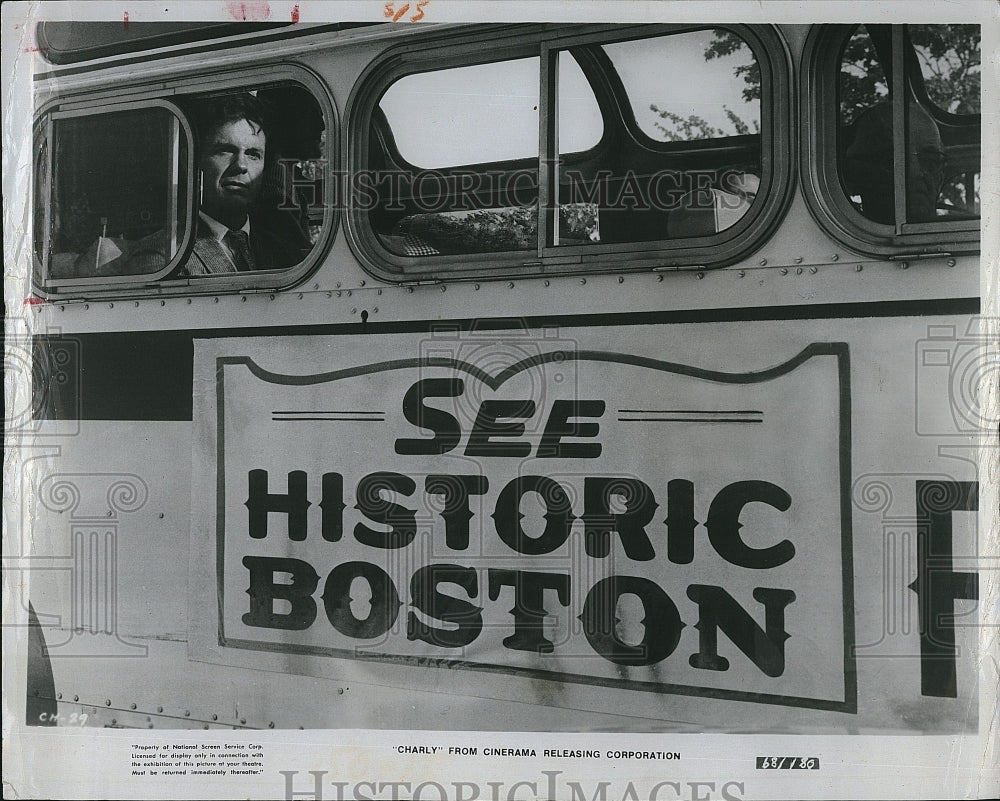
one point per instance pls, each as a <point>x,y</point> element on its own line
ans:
<point>489,112</point>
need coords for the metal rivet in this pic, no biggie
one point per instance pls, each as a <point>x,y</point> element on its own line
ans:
<point>114,721</point>
<point>137,304</point>
<point>299,296</point>
<point>111,305</point>
<point>783,271</point>
<point>444,288</point>
<point>215,717</point>
<point>548,282</point>
<point>904,265</point>
<point>700,276</point>
<point>814,270</point>
<point>205,726</point>
<point>354,311</point>
<point>409,290</point>
<point>474,286</point>
<point>189,301</point>
<point>163,303</point>
<point>159,709</point>
<point>659,278</point>
<point>243,299</point>
<point>742,273</point>
<point>107,702</point>
<point>835,257</point>
<point>340,691</point>
<point>243,721</point>
<point>348,293</point>
<point>187,713</point>
<point>340,294</point>
<point>378,291</point>
<point>270,297</point>
<point>361,282</point>
<point>329,294</point>
<point>583,281</point>
<point>63,308</point>
<point>798,260</point>
<point>621,279</point>
<point>59,696</point>
<point>110,513</point>
<point>215,300</point>
<point>315,286</point>
<point>798,271</point>
<point>951,262</point>
<point>859,268</point>
<point>76,697</point>
<point>763,262</point>
<point>510,285</point>
<point>86,306</point>
<point>132,706</point>
<point>270,725</point>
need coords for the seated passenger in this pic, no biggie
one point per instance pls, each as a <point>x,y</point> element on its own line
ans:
<point>234,232</point>
<point>869,165</point>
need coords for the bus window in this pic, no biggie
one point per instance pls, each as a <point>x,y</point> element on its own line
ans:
<point>913,164</point>
<point>685,160</point>
<point>450,129</point>
<point>115,179</point>
<point>570,147</point>
<point>228,184</point>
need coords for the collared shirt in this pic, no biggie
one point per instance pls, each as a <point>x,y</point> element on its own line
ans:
<point>219,231</point>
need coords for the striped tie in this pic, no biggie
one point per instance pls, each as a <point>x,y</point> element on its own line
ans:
<point>239,244</point>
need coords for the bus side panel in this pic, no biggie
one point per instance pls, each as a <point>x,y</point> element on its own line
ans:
<point>763,481</point>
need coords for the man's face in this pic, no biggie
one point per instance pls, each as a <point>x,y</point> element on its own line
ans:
<point>232,165</point>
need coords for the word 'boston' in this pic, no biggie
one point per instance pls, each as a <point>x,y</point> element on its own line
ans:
<point>717,609</point>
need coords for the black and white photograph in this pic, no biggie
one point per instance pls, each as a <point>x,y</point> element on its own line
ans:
<point>486,401</point>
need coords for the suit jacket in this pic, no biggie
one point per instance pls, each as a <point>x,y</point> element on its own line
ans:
<point>276,242</point>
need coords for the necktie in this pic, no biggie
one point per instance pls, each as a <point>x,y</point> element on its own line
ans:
<point>239,244</point>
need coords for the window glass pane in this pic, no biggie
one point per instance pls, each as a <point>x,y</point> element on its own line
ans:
<point>950,62</point>
<point>455,155</point>
<point>466,115</point>
<point>118,179</point>
<point>943,157</point>
<point>697,85</point>
<point>580,123</point>
<point>691,166</point>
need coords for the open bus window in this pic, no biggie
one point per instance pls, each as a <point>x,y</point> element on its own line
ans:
<point>208,184</point>
<point>936,127</point>
<point>602,143</point>
<point>687,162</point>
<point>113,180</point>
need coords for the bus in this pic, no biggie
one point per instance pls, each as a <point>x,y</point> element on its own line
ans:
<point>507,377</point>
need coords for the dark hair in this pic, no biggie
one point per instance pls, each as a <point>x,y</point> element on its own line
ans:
<point>211,113</point>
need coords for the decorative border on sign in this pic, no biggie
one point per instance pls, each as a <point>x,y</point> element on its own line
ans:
<point>840,350</point>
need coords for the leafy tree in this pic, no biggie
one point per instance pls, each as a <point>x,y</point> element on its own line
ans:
<point>950,61</point>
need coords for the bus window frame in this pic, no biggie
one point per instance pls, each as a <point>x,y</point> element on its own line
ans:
<point>778,159</point>
<point>161,284</point>
<point>47,121</point>
<point>820,163</point>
